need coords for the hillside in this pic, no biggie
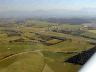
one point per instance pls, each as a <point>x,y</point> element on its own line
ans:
<point>83,57</point>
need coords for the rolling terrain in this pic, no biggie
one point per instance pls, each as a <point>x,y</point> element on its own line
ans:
<point>34,46</point>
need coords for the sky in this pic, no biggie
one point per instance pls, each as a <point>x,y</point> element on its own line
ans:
<point>31,5</point>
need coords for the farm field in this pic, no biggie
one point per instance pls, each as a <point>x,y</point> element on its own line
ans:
<point>67,36</point>
<point>55,61</point>
<point>40,24</point>
<point>45,49</point>
<point>68,46</point>
<point>71,26</point>
<point>29,62</point>
<point>94,31</point>
<point>89,34</point>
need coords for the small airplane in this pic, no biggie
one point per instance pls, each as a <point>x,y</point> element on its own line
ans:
<point>90,65</point>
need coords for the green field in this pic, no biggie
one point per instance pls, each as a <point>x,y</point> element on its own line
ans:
<point>89,34</point>
<point>68,46</point>
<point>56,62</point>
<point>40,24</point>
<point>29,62</point>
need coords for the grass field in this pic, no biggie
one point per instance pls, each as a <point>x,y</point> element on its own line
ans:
<point>67,36</point>
<point>53,41</point>
<point>17,48</point>
<point>41,24</point>
<point>32,35</point>
<point>68,46</point>
<point>55,62</point>
<point>57,56</point>
<point>89,34</point>
<point>30,62</point>
<point>32,28</point>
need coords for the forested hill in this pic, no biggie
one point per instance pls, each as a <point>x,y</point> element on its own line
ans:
<point>82,58</point>
<point>73,21</point>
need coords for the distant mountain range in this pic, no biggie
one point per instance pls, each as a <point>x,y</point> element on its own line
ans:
<point>88,9</point>
<point>84,12</point>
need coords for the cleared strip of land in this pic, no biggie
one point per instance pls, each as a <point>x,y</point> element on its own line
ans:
<point>47,69</point>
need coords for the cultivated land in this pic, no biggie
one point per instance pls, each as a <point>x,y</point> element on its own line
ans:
<point>50,48</point>
<point>94,31</point>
